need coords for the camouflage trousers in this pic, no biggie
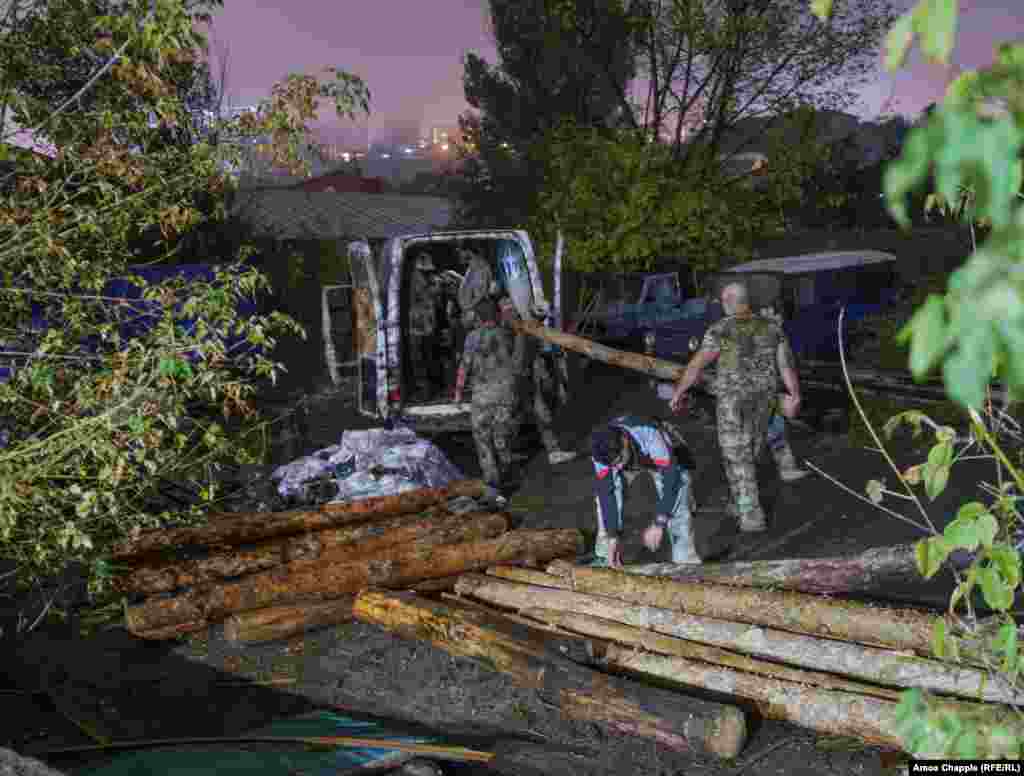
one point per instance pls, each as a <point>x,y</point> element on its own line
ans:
<point>743,423</point>
<point>544,385</point>
<point>494,428</point>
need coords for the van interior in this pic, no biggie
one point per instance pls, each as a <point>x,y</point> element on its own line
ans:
<point>445,347</point>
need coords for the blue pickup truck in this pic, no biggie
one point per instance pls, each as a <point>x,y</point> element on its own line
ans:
<point>806,291</point>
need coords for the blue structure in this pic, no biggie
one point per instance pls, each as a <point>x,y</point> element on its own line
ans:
<point>141,315</point>
<point>808,292</point>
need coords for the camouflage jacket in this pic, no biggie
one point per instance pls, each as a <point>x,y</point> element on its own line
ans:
<point>748,348</point>
<point>424,297</point>
<point>492,357</point>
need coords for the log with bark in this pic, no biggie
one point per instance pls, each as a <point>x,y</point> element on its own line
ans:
<point>282,622</point>
<point>650,641</point>
<point>246,528</point>
<point>656,367</point>
<point>348,542</point>
<point>537,660</point>
<point>873,571</point>
<point>322,580</point>
<point>901,629</point>
<point>826,711</point>
<point>828,656</point>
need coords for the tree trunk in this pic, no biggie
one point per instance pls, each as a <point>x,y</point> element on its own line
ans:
<point>320,580</point>
<point>826,711</point>
<point>528,576</point>
<point>245,528</point>
<point>656,367</point>
<point>877,666</point>
<point>535,660</point>
<point>872,571</point>
<point>608,630</point>
<point>282,622</point>
<point>902,629</point>
<point>360,540</point>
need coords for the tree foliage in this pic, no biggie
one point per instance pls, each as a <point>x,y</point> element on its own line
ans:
<point>554,62</point>
<point>651,76</point>
<point>93,418</point>
<point>970,147</point>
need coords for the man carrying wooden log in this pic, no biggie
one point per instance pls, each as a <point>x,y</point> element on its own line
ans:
<point>753,354</point>
<point>493,355</point>
<point>627,446</point>
<point>541,377</point>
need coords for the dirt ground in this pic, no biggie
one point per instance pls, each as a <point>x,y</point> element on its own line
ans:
<point>61,688</point>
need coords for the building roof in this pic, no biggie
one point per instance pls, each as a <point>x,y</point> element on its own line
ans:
<point>292,214</point>
<point>815,262</point>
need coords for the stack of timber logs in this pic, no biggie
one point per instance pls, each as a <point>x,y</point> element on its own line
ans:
<point>829,664</point>
<point>277,574</point>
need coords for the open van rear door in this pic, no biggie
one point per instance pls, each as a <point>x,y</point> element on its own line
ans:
<point>367,315</point>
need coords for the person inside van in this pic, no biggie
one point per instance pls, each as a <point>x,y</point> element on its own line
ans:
<point>424,300</point>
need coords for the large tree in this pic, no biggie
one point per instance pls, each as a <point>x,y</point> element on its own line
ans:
<point>95,414</point>
<point>558,61</point>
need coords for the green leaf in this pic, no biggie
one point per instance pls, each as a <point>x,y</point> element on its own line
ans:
<point>998,594</point>
<point>875,490</point>
<point>898,41</point>
<point>1007,560</point>
<point>936,24</point>
<point>1005,643</point>
<point>903,174</point>
<point>930,554</point>
<point>935,482</point>
<point>987,529</point>
<point>962,532</point>
<point>929,335</point>
<point>941,454</point>
<point>939,638</point>
<point>822,9</point>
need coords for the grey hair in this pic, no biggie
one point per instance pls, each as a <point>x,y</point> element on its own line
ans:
<point>735,295</point>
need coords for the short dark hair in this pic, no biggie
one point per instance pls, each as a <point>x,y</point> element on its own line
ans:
<point>606,445</point>
<point>486,309</point>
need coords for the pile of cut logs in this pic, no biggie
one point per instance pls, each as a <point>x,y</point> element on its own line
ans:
<point>277,574</point>
<point>829,664</point>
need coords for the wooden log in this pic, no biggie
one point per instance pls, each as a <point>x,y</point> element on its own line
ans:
<point>656,367</point>
<point>825,711</point>
<point>528,576</point>
<point>536,660</point>
<point>868,664</point>
<point>282,622</point>
<point>172,631</point>
<point>873,571</point>
<point>609,630</point>
<point>321,580</point>
<point>360,540</point>
<point>901,629</point>
<point>246,528</point>
<point>440,585</point>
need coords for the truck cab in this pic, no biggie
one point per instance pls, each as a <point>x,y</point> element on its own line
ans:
<point>381,294</point>
<point>805,292</point>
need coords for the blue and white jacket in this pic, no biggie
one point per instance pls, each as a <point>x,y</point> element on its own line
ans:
<point>654,450</point>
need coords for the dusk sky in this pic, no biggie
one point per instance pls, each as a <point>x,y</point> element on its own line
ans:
<point>410,53</point>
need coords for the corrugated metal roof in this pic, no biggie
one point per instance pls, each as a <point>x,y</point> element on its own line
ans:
<point>290,214</point>
<point>815,262</point>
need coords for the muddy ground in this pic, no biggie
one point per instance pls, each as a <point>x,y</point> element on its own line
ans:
<point>60,688</point>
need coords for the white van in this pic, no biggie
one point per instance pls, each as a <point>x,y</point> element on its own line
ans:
<point>381,282</point>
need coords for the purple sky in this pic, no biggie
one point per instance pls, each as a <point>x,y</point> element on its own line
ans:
<point>410,52</point>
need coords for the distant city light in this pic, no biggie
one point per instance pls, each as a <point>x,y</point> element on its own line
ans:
<point>444,146</point>
<point>346,156</point>
<point>408,149</point>
<point>385,156</point>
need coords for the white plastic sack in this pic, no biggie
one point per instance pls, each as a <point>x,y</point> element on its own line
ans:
<point>374,462</point>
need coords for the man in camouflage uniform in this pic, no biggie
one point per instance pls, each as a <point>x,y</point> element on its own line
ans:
<point>478,283</point>
<point>492,355</point>
<point>425,294</point>
<point>537,364</point>
<point>753,354</point>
